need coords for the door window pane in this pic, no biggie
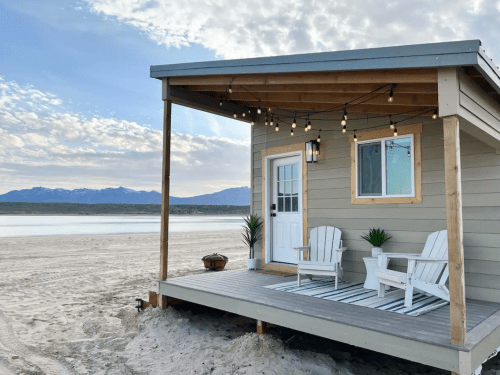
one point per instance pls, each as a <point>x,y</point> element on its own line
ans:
<point>288,204</point>
<point>288,172</point>
<point>280,189</point>
<point>288,188</point>
<point>398,166</point>
<point>370,169</point>
<point>280,204</point>
<point>295,187</point>
<point>295,172</point>
<point>280,173</point>
<point>295,204</point>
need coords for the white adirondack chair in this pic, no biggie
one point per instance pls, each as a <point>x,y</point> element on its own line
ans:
<point>427,272</point>
<point>324,254</point>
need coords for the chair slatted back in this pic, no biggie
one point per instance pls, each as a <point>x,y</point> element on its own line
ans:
<point>323,242</point>
<point>436,246</point>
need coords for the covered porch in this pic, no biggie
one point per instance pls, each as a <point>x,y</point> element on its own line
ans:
<point>445,96</point>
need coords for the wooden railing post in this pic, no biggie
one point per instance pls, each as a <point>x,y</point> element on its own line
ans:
<point>455,229</point>
<point>165,191</point>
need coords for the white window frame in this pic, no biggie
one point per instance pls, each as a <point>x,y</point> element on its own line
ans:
<point>384,168</point>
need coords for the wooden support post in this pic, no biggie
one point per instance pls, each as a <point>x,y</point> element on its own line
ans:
<point>455,229</point>
<point>153,299</point>
<point>165,193</point>
<point>261,327</point>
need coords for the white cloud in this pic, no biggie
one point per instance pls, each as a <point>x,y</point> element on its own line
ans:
<point>259,28</point>
<point>51,147</point>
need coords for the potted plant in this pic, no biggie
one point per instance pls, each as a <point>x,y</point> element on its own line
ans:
<point>376,237</point>
<point>252,232</point>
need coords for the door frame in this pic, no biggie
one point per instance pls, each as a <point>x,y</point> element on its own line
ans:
<point>268,155</point>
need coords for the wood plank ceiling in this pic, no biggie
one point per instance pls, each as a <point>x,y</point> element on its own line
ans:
<point>414,90</point>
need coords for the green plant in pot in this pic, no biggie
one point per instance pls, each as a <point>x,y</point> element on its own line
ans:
<point>252,233</point>
<point>376,237</point>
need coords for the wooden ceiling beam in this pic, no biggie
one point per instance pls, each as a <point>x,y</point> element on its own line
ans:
<point>399,99</point>
<point>362,108</point>
<point>365,76</point>
<point>407,88</point>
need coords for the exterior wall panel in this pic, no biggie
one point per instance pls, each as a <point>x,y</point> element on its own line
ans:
<point>329,200</point>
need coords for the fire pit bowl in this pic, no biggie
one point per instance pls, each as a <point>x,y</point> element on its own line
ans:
<point>214,262</point>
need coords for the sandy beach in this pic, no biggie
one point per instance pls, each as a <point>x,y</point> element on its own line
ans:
<point>67,307</point>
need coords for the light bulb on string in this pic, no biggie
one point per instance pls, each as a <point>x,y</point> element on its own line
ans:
<point>229,89</point>
<point>391,146</point>
<point>309,126</point>
<point>344,129</point>
<point>435,114</point>
<point>252,123</point>
<point>291,132</point>
<point>272,121</point>
<point>305,127</point>
<point>355,138</point>
<point>294,123</point>
<point>344,118</point>
<point>391,123</point>
<point>409,154</point>
<point>259,111</point>
<point>220,103</point>
<point>235,115</point>
<point>391,96</point>
<point>277,128</point>
<point>395,131</point>
<point>243,114</point>
<point>267,121</point>
<point>319,137</point>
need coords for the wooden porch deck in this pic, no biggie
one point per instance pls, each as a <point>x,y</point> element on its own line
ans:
<point>424,339</point>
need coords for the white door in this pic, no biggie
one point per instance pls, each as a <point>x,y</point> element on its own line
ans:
<point>286,209</point>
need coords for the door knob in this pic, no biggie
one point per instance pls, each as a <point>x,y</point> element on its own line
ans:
<point>273,214</point>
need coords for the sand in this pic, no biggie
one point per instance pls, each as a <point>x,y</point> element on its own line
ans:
<point>67,307</point>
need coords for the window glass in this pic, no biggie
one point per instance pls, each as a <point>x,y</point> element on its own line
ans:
<point>370,169</point>
<point>288,188</point>
<point>398,166</point>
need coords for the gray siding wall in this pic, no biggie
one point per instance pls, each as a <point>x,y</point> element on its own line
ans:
<point>329,200</point>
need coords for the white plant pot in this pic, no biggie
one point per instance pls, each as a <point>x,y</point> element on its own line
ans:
<point>376,251</point>
<point>252,264</point>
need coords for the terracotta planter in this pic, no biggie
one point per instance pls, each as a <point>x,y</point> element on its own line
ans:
<point>214,262</point>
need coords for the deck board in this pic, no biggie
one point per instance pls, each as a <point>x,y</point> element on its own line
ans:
<point>243,285</point>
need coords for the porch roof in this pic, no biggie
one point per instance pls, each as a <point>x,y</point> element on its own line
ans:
<point>468,54</point>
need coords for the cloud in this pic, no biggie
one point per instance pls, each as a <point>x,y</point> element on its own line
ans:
<point>261,28</point>
<point>42,144</point>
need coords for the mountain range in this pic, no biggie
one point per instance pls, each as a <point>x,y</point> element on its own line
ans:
<point>232,197</point>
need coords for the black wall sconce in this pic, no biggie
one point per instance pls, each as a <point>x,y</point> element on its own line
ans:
<point>312,152</point>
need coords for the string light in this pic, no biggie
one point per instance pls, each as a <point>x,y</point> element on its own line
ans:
<point>259,111</point>
<point>277,128</point>
<point>305,127</point>
<point>229,89</point>
<point>344,117</point>
<point>355,138</point>
<point>294,123</point>
<point>252,123</point>
<point>235,115</point>
<point>243,114</point>
<point>272,121</point>
<point>409,154</point>
<point>249,111</point>
<point>220,103</point>
<point>435,114</point>
<point>344,129</point>
<point>319,137</point>
<point>391,124</point>
<point>395,131</point>
<point>267,121</point>
<point>309,126</point>
<point>391,96</point>
<point>291,132</point>
<point>391,147</point>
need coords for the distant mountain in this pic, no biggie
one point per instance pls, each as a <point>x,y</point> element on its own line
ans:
<point>232,197</point>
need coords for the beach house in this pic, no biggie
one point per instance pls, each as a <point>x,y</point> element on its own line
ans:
<point>404,138</point>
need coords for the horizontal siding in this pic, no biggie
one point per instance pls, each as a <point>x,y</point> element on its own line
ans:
<point>329,202</point>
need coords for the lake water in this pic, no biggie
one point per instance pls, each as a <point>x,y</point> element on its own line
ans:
<point>52,225</point>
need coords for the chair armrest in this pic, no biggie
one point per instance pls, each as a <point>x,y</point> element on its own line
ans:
<point>400,255</point>
<point>302,248</point>
<point>434,260</point>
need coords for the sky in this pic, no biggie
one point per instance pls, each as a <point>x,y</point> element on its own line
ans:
<point>78,109</point>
